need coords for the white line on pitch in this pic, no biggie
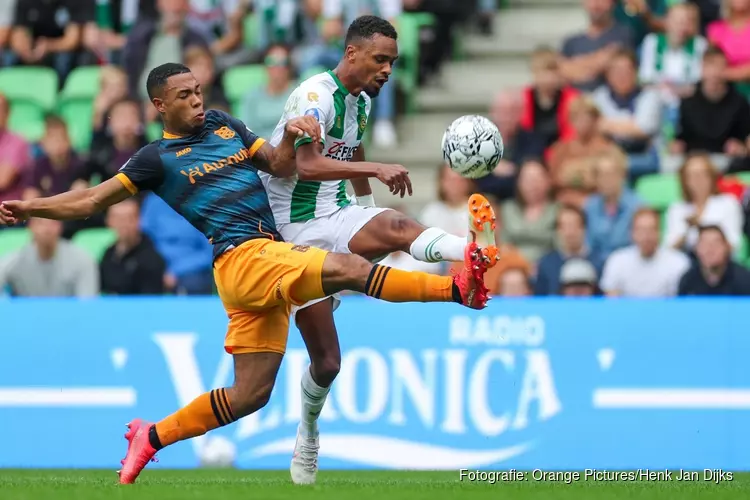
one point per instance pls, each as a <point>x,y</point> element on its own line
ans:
<point>67,396</point>
<point>677,398</point>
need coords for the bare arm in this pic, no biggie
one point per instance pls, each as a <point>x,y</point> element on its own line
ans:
<point>313,166</point>
<point>21,43</point>
<point>277,161</point>
<point>69,41</point>
<point>72,205</point>
<point>361,185</point>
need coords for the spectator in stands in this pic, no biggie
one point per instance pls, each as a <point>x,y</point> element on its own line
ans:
<point>448,211</point>
<point>641,16</point>
<point>279,20</point>
<point>571,162</point>
<point>113,87</point>
<point>154,42</point>
<point>514,282</point>
<point>631,115</point>
<point>528,221</point>
<point>114,19</point>
<point>644,269</point>
<point>702,205</point>
<point>201,64</point>
<point>188,254</point>
<point>50,266</point>
<point>59,167</point>
<point>709,11</point>
<point>6,26</point>
<point>578,278</point>
<point>15,158</point>
<point>715,273</point>
<point>122,137</point>
<point>222,24</point>
<point>519,145</point>
<point>672,61</point>
<point>510,260</point>
<point>571,242</point>
<point>585,57</point>
<point>49,32</point>
<point>263,106</point>
<point>131,266</point>
<point>716,119</point>
<point>610,210</point>
<point>732,36</point>
<point>546,102</point>
<point>384,112</point>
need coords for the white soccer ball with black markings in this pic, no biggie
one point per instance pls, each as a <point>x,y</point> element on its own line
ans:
<point>472,146</point>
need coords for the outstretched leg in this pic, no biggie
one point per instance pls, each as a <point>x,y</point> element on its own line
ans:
<point>392,231</point>
<point>254,378</point>
<point>318,330</point>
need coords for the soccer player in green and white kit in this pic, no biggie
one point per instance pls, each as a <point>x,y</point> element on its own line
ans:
<point>312,207</point>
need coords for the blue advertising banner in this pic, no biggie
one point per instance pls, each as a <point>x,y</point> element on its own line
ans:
<point>552,384</point>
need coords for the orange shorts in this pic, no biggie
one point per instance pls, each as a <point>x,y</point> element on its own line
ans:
<point>258,282</point>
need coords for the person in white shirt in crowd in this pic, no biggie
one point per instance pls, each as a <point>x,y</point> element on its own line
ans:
<point>448,211</point>
<point>644,269</point>
<point>631,114</point>
<point>672,61</point>
<point>702,205</point>
<point>578,279</point>
<point>49,266</point>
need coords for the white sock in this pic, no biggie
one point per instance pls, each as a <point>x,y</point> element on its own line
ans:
<point>435,245</point>
<point>313,399</point>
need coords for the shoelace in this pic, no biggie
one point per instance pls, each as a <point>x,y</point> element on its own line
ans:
<point>308,454</point>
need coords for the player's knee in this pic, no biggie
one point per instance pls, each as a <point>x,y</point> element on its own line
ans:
<point>405,230</point>
<point>326,369</point>
<point>345,272</point>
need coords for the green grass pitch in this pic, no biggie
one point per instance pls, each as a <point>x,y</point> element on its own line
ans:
<point>338,485</point>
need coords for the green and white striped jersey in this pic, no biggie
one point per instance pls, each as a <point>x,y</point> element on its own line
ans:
<point>343,120</point>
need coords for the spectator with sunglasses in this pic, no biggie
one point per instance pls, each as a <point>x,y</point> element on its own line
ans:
<point>263,106</point>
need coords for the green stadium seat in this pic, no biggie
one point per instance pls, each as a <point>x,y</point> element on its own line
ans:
<point>239,80</point>
<point>251,29</point>
<point>743,177</point>
<point>27,120</point>
<point>409,26</point>
<point>95,241</point>
<point>659,190</point>
<point>78,115</point>
<point>13,239</point>
<point>30,84</point>
<point>315,70</point>
<point>741,253</point>
<point>82,84</point>
<point>154,131</point>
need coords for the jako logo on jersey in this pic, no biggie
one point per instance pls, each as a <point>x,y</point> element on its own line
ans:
<point>499,395</point>
<point>225,133</point>
<point>183,152</point>
<point>207,168</point>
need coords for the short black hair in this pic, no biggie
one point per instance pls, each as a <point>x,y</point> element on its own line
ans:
<point>366,27</point>
<point>714,51</point>
<point>574,209</point>
<point>158,77</point>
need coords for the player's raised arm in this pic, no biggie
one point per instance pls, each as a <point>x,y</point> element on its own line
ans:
<point>280,161</point>
<point>79,204</point>
<point>313,166</point>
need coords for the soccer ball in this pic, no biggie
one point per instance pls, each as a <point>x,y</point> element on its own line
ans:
<point>472,146</point>
<point>218,452</point>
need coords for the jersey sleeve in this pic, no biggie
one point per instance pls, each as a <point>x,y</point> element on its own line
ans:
<point>252,141</point>
<point>143,171</point>
<point>316,101</point>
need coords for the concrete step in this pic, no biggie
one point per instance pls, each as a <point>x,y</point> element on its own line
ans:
<point>520,30</point>
<point>469,86</point>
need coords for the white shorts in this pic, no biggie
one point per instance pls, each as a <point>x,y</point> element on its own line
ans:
<point>332,232</point>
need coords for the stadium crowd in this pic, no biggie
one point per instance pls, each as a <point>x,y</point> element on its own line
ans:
<point>651,88</point>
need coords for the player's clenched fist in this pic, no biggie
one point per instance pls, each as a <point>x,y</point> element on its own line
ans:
<point>304,125</point>
<point>396,177</point>
<point>12,212</point>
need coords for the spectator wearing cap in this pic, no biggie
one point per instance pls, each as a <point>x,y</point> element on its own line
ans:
<point>571,162</point>
<point>571,243</point>
<point>702,205</point>
<point>262,106</point>
<point>578,278</point>
<point>15,158</point>
<point>547,101</point>
<point>716,118</point>
<point>585,56</point>
<point>519,145</point>
<point>644,269</point>
<point>631,114</point>
<point>610,210</point>
<point>714,273</point>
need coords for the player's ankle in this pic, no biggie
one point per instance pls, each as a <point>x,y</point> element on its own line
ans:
<point>153,438</point>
